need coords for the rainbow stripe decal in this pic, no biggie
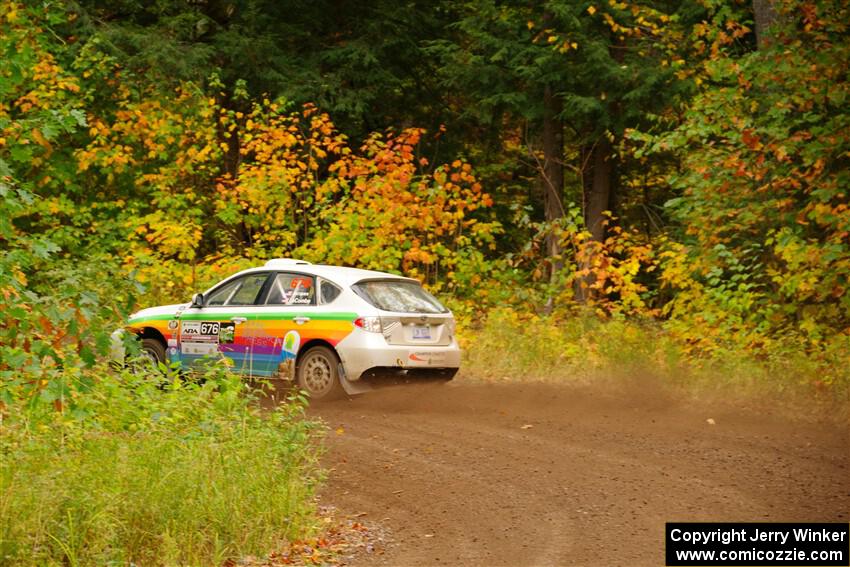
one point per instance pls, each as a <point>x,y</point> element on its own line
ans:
<point>264,344</point>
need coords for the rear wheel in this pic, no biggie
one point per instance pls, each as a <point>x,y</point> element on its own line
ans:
<point>318,374</point>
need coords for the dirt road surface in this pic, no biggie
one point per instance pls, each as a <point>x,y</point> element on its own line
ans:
<point>479,474</point>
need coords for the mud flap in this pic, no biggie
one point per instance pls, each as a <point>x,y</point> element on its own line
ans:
<point>352,388</point>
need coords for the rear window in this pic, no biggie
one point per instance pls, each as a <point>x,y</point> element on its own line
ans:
<point>329,292</point>
<point>400,296</point>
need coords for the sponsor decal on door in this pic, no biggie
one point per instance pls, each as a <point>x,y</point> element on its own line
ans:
<point>203,337</point>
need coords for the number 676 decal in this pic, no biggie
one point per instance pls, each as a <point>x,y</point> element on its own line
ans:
<point>203,330</point>
<point>210,328</point>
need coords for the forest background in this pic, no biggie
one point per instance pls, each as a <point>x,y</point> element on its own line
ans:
<point>594,177</point>
<point>654,188</point>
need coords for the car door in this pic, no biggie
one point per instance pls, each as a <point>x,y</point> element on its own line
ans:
<point>284,322</point>
<point>223,326</point>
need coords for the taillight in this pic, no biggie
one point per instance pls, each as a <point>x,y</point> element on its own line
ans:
<point>371,324</point>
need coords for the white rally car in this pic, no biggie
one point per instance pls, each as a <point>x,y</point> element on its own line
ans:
<point>325,327</point>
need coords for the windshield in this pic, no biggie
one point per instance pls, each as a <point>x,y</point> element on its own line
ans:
<point>398,295</point>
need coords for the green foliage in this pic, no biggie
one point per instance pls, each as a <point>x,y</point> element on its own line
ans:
<point>569,348</point>
<point>365,65</point>
<point>168,144</point>
<point>129,470</point>
<point>98,467</point>
<point>171,144</point>
<point>763,192</point>
<point>581,348</point>
<point>600,59</point>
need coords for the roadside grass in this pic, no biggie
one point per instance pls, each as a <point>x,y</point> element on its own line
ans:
<point>130,471</point>
<point>585,350</point>
<point>576,349</point>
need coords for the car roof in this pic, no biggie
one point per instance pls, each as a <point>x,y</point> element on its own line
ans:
<point>341,275</point>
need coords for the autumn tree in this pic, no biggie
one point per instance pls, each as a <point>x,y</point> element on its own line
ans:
<point>573,78</point>
<point>764,15</point>
<point>764,186</point>
<point>363,62</point>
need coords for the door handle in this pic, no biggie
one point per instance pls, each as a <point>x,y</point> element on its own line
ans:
<point>300,320</point>
<point>238,320</point>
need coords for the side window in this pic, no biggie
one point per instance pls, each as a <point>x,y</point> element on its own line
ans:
<point>292,289</point>
<point>241,291</point>
<point>329,291</point>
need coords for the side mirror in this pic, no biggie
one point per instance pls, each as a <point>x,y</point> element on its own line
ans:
<point>198,300</point>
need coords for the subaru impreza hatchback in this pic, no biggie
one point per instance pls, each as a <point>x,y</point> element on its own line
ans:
<point>325,327</point>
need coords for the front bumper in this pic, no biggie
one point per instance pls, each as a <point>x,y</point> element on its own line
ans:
<point>117,350</point>
<point>362,350</point>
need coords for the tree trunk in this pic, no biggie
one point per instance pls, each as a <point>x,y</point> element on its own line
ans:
<point>764,15</point>
<point>551,173</point>
<point>598,188</point>
<point>553,167</point>
<point>597,179</point>
<point>553,164</point>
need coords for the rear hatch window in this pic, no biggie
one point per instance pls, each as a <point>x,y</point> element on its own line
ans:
<point>399,296</point>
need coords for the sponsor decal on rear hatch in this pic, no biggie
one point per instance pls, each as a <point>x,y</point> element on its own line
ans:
<point>429,358</point>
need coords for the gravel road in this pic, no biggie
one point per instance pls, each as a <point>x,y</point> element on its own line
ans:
<point>531,474</point>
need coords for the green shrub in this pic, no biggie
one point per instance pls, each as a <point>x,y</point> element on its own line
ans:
<point>131,471</point>
<point>579,348</point>
<point>565,348</point>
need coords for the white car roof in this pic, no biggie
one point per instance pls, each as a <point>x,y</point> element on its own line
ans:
<point>338,274</point>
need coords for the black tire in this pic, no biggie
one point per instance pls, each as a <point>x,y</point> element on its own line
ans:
<point>442,374</point>
<point>317,374</point>
<point>154,350</point>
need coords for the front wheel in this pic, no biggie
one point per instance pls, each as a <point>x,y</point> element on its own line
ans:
<point>153,352</point>
<point>149,360</point>
<point>318,374</point>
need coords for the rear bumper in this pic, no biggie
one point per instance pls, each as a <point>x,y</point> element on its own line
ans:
<point>362,350</point>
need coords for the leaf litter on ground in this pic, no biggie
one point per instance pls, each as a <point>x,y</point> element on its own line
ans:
<point>341,540</point>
